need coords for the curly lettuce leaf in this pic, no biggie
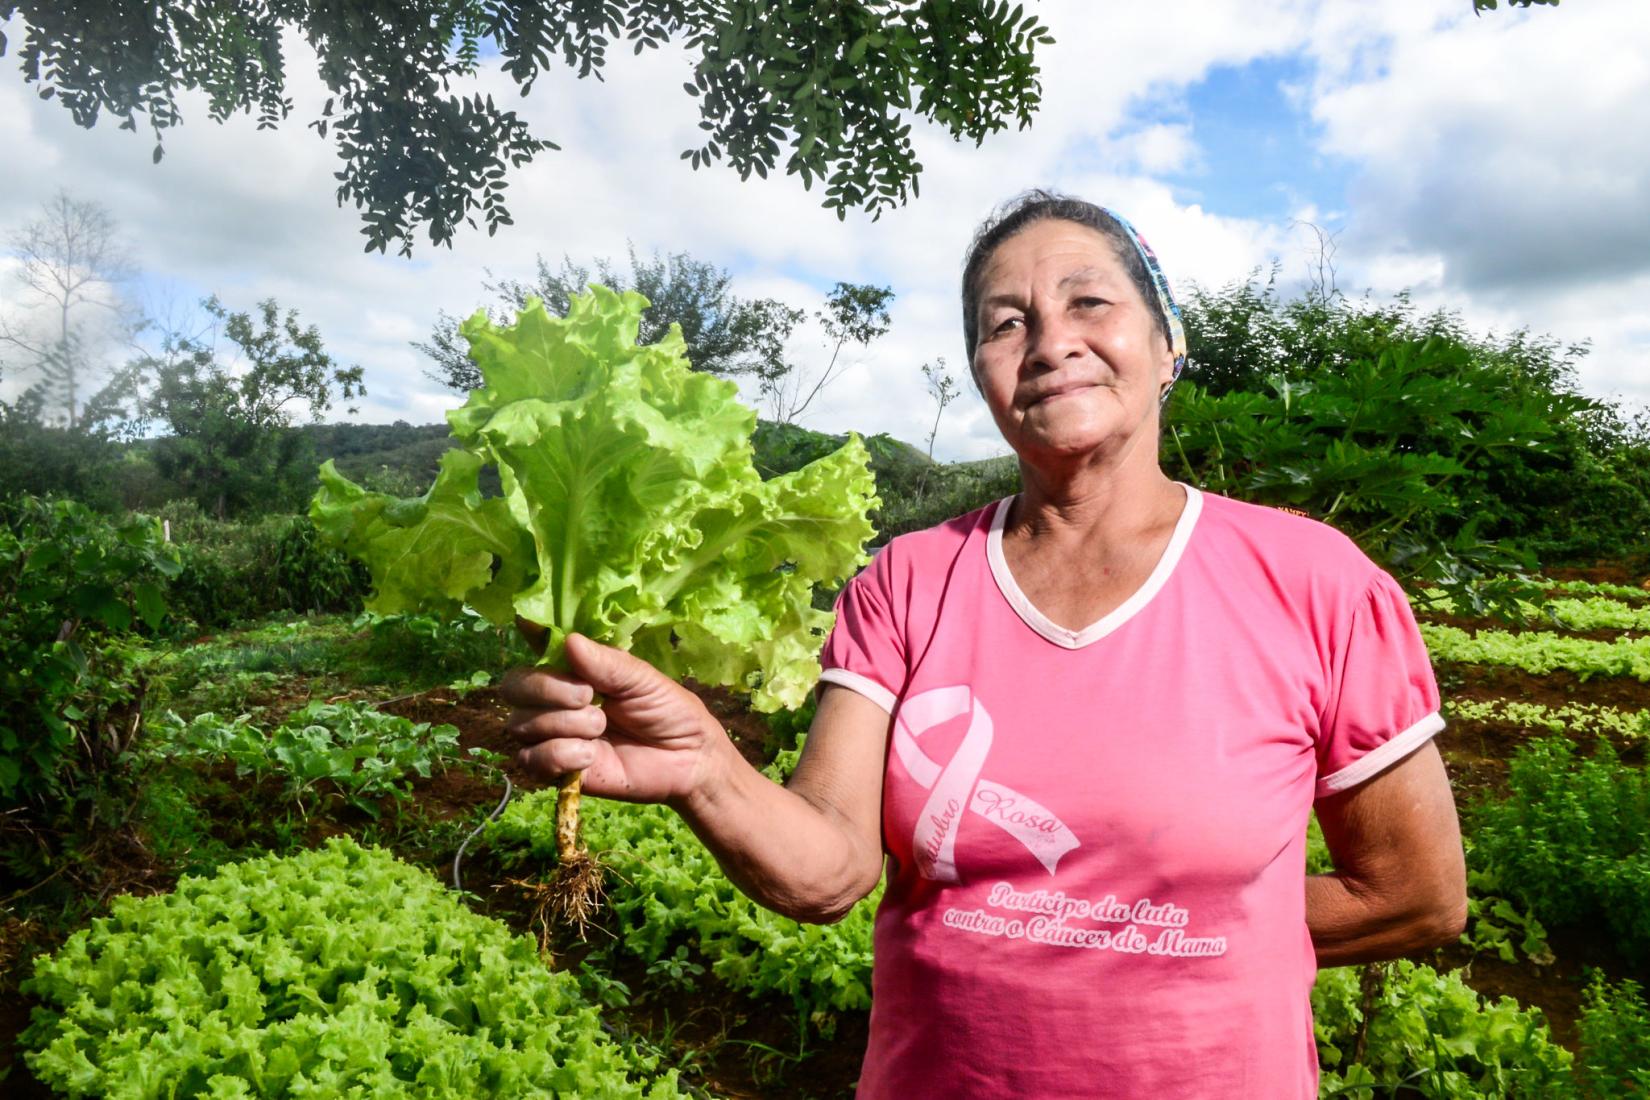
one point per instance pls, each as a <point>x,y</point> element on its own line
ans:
<point>632,511</point>
<point>437,552</point>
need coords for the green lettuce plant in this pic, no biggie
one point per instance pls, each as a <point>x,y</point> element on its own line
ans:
<point>631,512</point>
<point>340,971</point>
<point>1407,1030</point>
<point>1539,652</point>
<point>348,750</point>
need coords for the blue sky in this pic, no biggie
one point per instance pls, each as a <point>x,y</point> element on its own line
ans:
<point>1258,147</point>
<point>1498,165</point>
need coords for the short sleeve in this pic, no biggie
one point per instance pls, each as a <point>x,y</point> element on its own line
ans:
<point>1383,703</point>
<point>866,649</point>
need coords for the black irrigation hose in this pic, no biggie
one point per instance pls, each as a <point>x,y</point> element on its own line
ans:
<point>458,884</point>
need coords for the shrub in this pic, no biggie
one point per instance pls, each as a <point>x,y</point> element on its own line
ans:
<point>1615,1041</point>
<point>1391,448</point>
<point>37,460</point>
<point>425,648</point>
<point>946,492</point>
<point>1571,840</point>
<point>233,572</point>
<point>1577,489</point>
<point>75,588</point>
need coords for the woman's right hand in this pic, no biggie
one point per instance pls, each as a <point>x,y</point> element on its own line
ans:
<point>650,740</point>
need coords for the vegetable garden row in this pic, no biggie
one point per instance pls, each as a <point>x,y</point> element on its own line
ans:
<point>293,864</point>
<point>345,963</point>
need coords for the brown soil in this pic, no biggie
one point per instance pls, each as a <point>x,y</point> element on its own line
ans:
<point>739,1048</point>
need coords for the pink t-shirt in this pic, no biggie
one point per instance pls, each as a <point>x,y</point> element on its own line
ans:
<point>1096,838</point>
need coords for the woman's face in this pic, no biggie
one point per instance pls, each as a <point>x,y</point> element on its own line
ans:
<point>1070,358</point>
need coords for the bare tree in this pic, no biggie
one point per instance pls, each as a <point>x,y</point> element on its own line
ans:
<point>854,313</point>
<point>71,263</point>
<point>1320,260</point>
<point>943,389</point>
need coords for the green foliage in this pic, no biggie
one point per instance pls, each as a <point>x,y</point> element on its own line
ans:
<point>787,728</point>
<point>1615,1041</point>
<point>951,490</point>
<point>1590,589</point>
<point>1386,447</point>
<point>339,971</point>
<point>1598,613</point>
<point>724,334</point>
<point>424,649</point>
<point>1539,652</point>
<point>1425,441</point>
<point>349,751</point>
<point>237,572</point>
<point>416,151</point>
<point>1318,859</point>
<point>1592,613</point>
<point>37,459</point>
<point>667,894</point>
<point>632,513</point>
<point>238,671</point>
<point>399,458</point>
<point>1429,1034</point>
<point>913,492</point>
<point>1497,925</point>
<point>854,313</point>
<point>74,587</point>
<point>229,447</point>
<point>1571,840</point>
<point>1493,923</point>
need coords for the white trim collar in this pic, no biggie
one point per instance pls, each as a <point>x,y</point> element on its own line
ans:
<point>1128,609</point>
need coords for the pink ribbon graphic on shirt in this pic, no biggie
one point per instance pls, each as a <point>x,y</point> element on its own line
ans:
<point>958,783</point>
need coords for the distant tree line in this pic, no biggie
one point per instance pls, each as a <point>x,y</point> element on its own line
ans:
<point>121,410</point>
<point>1451,455</point>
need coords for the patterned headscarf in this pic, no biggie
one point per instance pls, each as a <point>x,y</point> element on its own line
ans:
<point>1165,298</point>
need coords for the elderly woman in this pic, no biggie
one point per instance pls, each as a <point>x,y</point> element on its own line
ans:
<point>1082,728</point>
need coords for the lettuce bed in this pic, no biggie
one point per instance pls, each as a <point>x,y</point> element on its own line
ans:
<point>338,972</point>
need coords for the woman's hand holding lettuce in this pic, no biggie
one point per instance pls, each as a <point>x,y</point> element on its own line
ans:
<point>631,511</point>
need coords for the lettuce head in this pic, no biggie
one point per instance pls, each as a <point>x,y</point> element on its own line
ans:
<point>631,509</point>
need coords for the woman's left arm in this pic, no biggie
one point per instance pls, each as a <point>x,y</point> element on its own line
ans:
<point>1400,880</point>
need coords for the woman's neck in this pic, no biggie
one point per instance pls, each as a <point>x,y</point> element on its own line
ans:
<point>1099,504</point>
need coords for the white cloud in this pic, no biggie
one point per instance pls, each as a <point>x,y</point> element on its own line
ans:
<point>1161,148</point>
<point>1432,107</point>
<point>251,213</point>
<point>1503,164</point>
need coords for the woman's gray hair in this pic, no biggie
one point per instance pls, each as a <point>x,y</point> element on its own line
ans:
<point>1034,206</point>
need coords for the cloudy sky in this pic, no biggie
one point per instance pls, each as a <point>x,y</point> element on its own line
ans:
<point>1498,165</point>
